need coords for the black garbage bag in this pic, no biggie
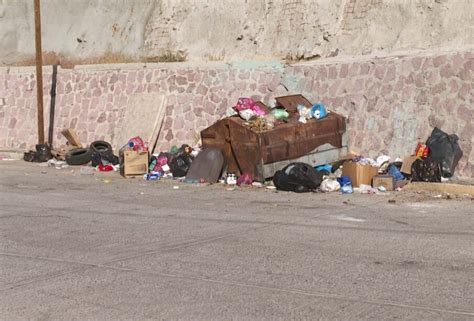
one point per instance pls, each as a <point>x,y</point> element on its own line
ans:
<point>41,155</point>
<point>445,151</point>
<point>297,177</point>
<point>181,161</point>
<point>426,170</point>
<point>179,165</point>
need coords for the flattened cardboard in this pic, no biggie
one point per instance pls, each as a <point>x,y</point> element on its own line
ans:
<point>133,163</point>
<point>359,174</point>
<point>406,165</point>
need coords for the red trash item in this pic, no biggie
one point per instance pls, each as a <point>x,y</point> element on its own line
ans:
<point>422,150</point>
<point>137,144</point>
<point>105,168</point>
<point>245,179</point>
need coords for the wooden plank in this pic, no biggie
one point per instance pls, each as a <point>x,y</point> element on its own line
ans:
<point>39,72</point>
<point>72,137</point>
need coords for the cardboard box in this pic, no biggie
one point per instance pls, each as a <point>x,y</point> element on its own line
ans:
<point>406,165</point>
<point>359,174</point>
<point>387,181</point>
<point>133,163</point>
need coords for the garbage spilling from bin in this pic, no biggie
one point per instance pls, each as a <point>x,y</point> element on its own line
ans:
<point>295,146</point>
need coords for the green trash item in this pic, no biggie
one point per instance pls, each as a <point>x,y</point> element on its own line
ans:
<point>174,149</point>
<point>280,114</point>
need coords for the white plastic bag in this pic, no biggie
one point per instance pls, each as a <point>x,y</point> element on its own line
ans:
<point>330,185</point>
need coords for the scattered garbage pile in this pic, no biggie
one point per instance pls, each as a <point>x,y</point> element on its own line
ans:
<point>294,146</point>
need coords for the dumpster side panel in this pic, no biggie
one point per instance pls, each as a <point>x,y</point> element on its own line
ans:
<point>245,146</point>
<point>291,141</point>
<point>218,136</point>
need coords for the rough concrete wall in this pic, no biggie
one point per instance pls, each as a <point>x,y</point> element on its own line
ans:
<point>141,30</point>
<point>75,30</point>
<point>390,102</point>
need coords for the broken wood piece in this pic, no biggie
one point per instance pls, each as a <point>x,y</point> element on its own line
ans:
<point>72,137</point>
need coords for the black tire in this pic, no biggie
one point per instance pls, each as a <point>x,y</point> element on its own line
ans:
<point>79,156</point>
<point>102,147</point>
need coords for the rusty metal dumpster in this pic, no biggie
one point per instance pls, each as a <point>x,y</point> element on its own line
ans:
<point>317,142</point>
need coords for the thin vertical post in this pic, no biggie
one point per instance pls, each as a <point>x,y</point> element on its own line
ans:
<point>52,106</point>
<point>39,72</point>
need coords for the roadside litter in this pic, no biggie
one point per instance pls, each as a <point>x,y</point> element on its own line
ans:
<point>296,146</point>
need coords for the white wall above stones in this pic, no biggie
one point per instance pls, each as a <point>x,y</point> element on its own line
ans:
<point>89,31</point>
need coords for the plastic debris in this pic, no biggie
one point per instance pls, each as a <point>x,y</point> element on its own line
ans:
<point>422,150</point>
<point>395,172</point>
<point>330,185</point>
<point>153,176</point>
<point>231,179</point>
<point>324,168</point>
<point>105,168</point>
<point>245,179</point>
<point>249,104</point>
<point>57,164</point>
<point>382,159</point>
<point>280,114</point>
<point>365,189</point>
<point>346,185</point>
<point>445,150</point>
<point>304,112</point>
<point>318,111</point>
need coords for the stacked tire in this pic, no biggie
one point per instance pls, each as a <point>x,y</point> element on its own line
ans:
<point>97,151</point>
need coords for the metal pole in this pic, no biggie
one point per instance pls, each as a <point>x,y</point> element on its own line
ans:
<point>39,73</point>
<point>52,106</point>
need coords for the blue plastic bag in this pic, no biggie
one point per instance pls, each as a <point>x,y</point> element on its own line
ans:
<point>319,111</point>
<point>324,168</point>
<point>346,185</point>
<point>395,172</point>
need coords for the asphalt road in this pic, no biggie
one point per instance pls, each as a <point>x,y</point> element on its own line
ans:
<point>104,248</point>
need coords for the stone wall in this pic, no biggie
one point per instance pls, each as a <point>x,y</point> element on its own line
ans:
<point>390,102</point>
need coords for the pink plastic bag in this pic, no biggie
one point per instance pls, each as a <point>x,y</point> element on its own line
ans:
<point>160,162</point>
<point>248,103</point>
<point>245,179</point>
